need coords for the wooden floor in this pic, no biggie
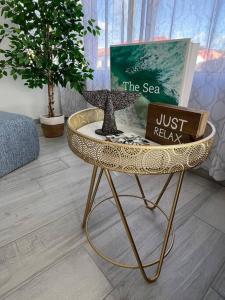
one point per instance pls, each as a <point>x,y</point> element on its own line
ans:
<point>44,254</point>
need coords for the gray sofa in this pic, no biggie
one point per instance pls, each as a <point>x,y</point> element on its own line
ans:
<point>19,142</point>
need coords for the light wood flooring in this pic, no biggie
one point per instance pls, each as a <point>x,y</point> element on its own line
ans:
<point>44,254</point>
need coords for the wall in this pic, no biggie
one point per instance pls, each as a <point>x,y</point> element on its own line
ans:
<point>17,98</point>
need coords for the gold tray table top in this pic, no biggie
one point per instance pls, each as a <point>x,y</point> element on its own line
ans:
<point>144,160</point>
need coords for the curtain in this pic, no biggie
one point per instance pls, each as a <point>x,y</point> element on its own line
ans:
<point>125,21</point>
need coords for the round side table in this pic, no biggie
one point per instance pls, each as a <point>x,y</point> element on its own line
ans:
<point>138,160</point>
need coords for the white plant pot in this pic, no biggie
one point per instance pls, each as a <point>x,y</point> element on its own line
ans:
<point>52,127</point>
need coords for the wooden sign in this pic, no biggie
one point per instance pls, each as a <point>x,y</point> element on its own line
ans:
<point>169,124</point>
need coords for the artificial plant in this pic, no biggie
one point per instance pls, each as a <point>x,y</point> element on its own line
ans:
<point>45,44</point>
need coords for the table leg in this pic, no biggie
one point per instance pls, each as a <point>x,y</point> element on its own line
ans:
<point>160,195</point>
<point>92,193</point>
<point>169,226</point>
<point>162,192</point>
<point>130,237</point>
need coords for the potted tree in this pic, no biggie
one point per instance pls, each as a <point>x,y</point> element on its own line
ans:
<point>45,47</point>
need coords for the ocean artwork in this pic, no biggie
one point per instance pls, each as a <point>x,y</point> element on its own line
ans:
<point>155,70</point>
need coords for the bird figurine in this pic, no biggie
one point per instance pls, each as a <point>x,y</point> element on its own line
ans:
<point>110,101</point>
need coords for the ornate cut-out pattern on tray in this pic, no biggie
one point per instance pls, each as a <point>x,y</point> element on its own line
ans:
<point>155,159</point>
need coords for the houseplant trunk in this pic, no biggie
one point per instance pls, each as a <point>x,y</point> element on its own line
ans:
<point>52,125</point>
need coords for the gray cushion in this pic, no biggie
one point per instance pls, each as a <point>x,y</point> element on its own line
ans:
<point>19,142</point>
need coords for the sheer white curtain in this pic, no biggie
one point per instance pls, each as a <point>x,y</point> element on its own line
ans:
<point>125,21</point>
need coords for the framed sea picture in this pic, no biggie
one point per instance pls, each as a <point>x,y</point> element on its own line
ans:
<point>160,71</point>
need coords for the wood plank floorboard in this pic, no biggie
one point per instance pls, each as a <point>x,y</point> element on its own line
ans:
<point>212,295</point>
<point>213,210</point>
<point>145,233</point>
<point>73,277</point>
<point>189,270</point>
<point>28,255</point>
<point>219,282</point>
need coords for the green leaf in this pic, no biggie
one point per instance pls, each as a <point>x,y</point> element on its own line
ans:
<point>45,42</point>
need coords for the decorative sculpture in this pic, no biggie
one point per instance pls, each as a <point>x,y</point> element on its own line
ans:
<point>110,101</point>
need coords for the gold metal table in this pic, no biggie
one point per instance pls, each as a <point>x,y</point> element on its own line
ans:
<point>138,160</point>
